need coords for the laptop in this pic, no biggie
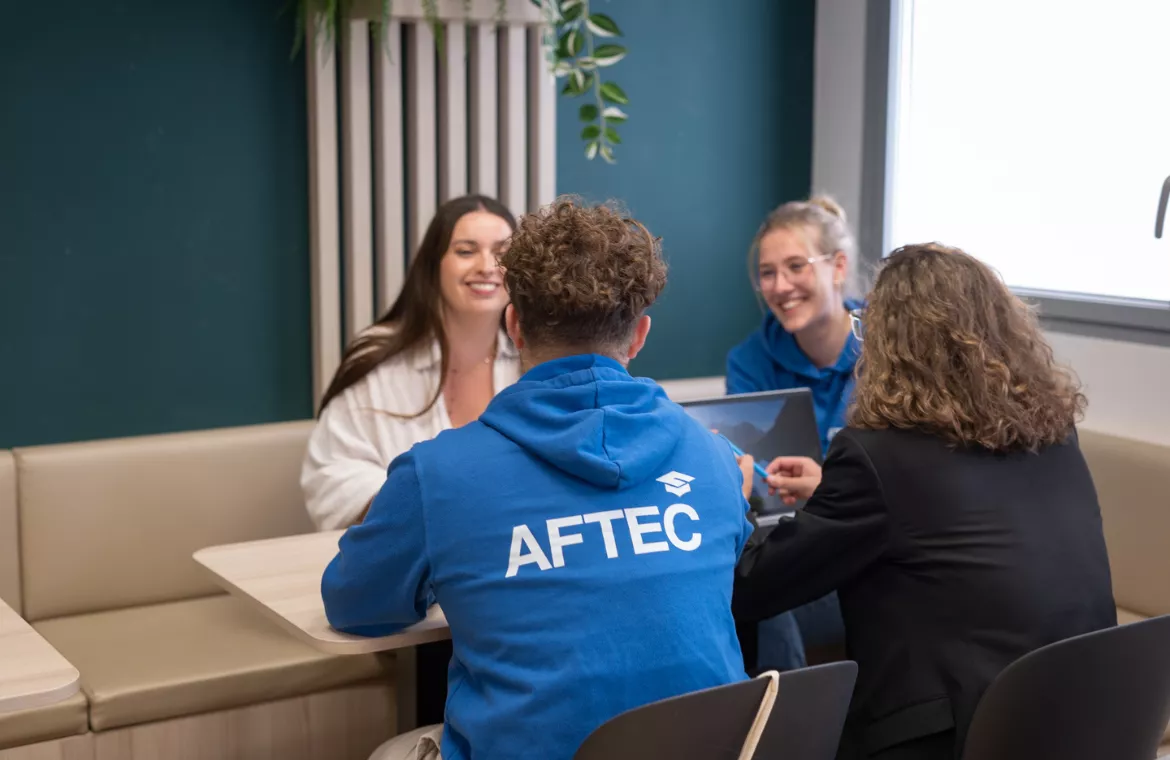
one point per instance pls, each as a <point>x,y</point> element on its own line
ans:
<point>766,425</point>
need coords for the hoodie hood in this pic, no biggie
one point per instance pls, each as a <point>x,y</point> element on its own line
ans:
<point>782,347</point>
<point>585,415</point>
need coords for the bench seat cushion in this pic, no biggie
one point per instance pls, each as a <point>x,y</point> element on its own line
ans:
<point>42,724</point>
<point>182,658</point>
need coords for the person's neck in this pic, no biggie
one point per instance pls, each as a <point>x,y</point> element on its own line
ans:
<point>823,341</point>
<point>531,356</point>
<point>471,340</point>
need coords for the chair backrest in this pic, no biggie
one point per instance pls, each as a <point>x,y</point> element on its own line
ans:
<point>809,713</point>
<point>113,523</point>
<point>1101,694</point>
<point>711,724</point>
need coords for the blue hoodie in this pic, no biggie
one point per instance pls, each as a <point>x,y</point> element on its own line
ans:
<point>771,360</point>
<point>581,538</point>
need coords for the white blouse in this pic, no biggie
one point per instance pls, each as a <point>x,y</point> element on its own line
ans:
<point>354,441</point>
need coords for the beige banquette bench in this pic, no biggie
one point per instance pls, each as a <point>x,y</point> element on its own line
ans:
<point>95,551</point>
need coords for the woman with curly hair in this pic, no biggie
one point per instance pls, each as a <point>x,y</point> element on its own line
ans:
<point>955,515</point>
<point>581,536</point>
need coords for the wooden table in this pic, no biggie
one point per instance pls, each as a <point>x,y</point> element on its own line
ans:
<point>32,673</point>
<point>281,577</point>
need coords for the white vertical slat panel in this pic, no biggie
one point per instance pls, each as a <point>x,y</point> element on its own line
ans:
<point>390,220</point>
<point>467,11</point>
<point>483,120</point>
<point>324,230</point>
<point>513,118</point>
<point>420,131</point>
<point>542,125</point>
<point>453,114</point>
<point>357,198</point>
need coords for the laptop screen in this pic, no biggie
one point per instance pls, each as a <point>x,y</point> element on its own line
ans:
<point>766,425</point>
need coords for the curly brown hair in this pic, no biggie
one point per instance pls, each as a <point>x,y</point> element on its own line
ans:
<point>951,351</point>
<point>581,276</point>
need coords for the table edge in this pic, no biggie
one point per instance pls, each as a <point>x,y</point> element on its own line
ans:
<point>44,698</point>
<point>356,645</point>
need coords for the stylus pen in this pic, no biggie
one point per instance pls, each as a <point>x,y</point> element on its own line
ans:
<point>739,453</point>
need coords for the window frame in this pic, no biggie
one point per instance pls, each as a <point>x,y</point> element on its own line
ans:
<point>1126,319</point>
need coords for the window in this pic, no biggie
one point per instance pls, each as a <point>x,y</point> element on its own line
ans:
<point>1035,134</point>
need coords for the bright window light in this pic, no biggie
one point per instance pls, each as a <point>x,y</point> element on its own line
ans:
<point>1035,134</point>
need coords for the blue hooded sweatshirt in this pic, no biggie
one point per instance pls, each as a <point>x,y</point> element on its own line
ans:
<point>771,360</point>
<point>581,538</point>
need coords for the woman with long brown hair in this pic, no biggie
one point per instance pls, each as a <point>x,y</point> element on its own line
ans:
<point>432,362</point>
<point>955,515</point>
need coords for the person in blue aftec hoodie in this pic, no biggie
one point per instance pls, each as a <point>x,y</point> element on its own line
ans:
<point>581,536</point>
<point>804,267</point>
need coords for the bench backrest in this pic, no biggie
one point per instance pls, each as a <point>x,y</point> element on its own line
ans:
<point>1133,487</point>
<point>112,524</point>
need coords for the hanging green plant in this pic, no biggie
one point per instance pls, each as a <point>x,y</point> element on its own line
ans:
<point>578,58</point>
<point>570,42</point>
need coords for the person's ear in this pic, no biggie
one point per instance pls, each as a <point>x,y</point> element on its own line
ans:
<point>641,330</point>
<point>840,269</point>
<point>512,325</point>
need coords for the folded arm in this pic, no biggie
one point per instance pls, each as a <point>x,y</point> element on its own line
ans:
<point>379,582</point>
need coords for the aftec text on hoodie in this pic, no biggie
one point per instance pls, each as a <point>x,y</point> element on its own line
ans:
<point>581,538</point>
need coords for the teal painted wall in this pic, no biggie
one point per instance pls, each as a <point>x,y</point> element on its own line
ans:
<point>153,210</point>
<point>720,132</point>
<point>153,219</point>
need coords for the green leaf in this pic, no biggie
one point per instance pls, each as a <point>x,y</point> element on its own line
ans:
<point>591,132</point>
<point>603,26</point>
<point>608,55</point>
<point>613,113</point>
<point>611,93</point>
<point>591,150</point>
<point>586,63</point>
<point>579,83</point>
<point>576,43</point>
<point>571,10</point>
<point>588,112</point>
<point>612,135</point>
<point>607,154</point>
<point>563,45</point>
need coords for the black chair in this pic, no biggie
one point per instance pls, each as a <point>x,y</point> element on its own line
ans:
<point>712,724</point>
<point>1100,695</point>
<point>809,713</point>
<point>803,718</point>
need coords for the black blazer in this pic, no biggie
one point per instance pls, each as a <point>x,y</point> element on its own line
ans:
<point>949,563</point>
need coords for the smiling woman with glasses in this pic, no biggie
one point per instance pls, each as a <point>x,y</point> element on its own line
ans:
<point>803,266</point>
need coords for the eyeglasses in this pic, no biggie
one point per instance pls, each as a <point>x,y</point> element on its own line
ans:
<point>792,270</point>
<point>856,323</point>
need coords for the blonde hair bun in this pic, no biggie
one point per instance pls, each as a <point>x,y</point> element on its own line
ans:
<point>828,204</point>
